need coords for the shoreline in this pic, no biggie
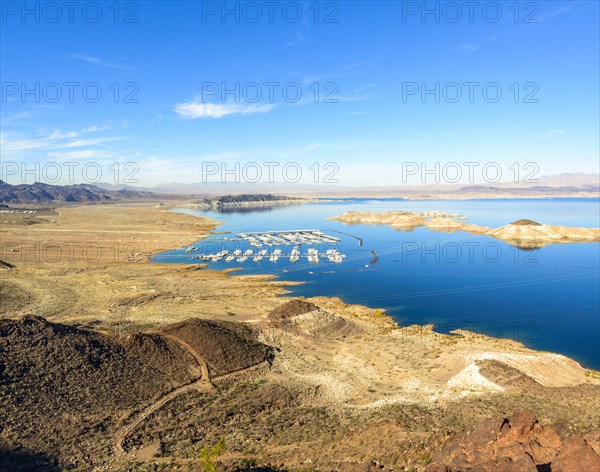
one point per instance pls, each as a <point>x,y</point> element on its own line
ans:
<point>443,216</point>
<point>274,285</point>
<point>345,365</point>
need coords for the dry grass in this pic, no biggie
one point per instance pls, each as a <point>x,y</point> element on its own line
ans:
<point>97,233</point>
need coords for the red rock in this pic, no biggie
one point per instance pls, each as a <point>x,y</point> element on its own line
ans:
<point>576,455</point>
<point>518,443</point>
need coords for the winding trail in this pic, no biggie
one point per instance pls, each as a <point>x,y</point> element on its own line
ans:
<point>202,384</point>
<point>201,362</point>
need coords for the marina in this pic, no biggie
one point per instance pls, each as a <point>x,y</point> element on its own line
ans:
<point>276,239</point>
<point>288,237</point>
<point>394,266</point>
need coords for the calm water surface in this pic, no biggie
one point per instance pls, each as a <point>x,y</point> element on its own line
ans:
<point>548,299</point>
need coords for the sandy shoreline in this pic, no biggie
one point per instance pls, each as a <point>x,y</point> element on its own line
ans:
<point>98,233</point>
<point>91,263</point>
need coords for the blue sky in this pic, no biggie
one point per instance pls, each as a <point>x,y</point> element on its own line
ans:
<point>368,56</point>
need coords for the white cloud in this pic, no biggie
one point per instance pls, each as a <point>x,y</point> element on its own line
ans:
<point>193,110</point>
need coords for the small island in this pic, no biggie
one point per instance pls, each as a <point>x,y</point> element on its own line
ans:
<point>245,200</point>
<point>523,233</point>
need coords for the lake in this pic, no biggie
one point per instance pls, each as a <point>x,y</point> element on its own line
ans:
<point>547,298</point>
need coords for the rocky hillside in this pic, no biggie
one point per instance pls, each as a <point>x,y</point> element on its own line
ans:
<point>346,390</point>
<point>60,384</point>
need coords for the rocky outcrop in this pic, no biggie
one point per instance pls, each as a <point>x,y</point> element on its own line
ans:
<point>515,444</point>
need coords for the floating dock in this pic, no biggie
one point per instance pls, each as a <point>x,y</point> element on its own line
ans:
<point>287,237</point>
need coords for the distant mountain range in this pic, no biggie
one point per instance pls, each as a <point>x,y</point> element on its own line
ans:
<point>565,184</point>
<point>39,193</point>
<point>211,194</point>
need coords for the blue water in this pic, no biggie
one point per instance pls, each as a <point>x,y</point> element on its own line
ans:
<point>548,298</point>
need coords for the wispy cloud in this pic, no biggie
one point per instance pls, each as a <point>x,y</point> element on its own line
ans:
<point>469,47</point>
<point>10,146</point>
<point>57,143</point>
<point>527,21</point>
<point>553,13</point>
<point>554,132</point>
<point>58,134</point>
<point>300,34</point>
<point>343,72</point>
<point>84,154</point>
<point>549,134</point>
<point>194,110</point>
<point>99,62</point>
<point>315,147</point>
<point>219,156</point>
<point>89,142</point>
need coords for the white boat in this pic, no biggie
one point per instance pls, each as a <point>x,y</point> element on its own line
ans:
<point>295,255</point>
<point>313,256</point>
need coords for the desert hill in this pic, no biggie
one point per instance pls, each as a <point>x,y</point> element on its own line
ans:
<point>302,318</point>
<point>225,346</point>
